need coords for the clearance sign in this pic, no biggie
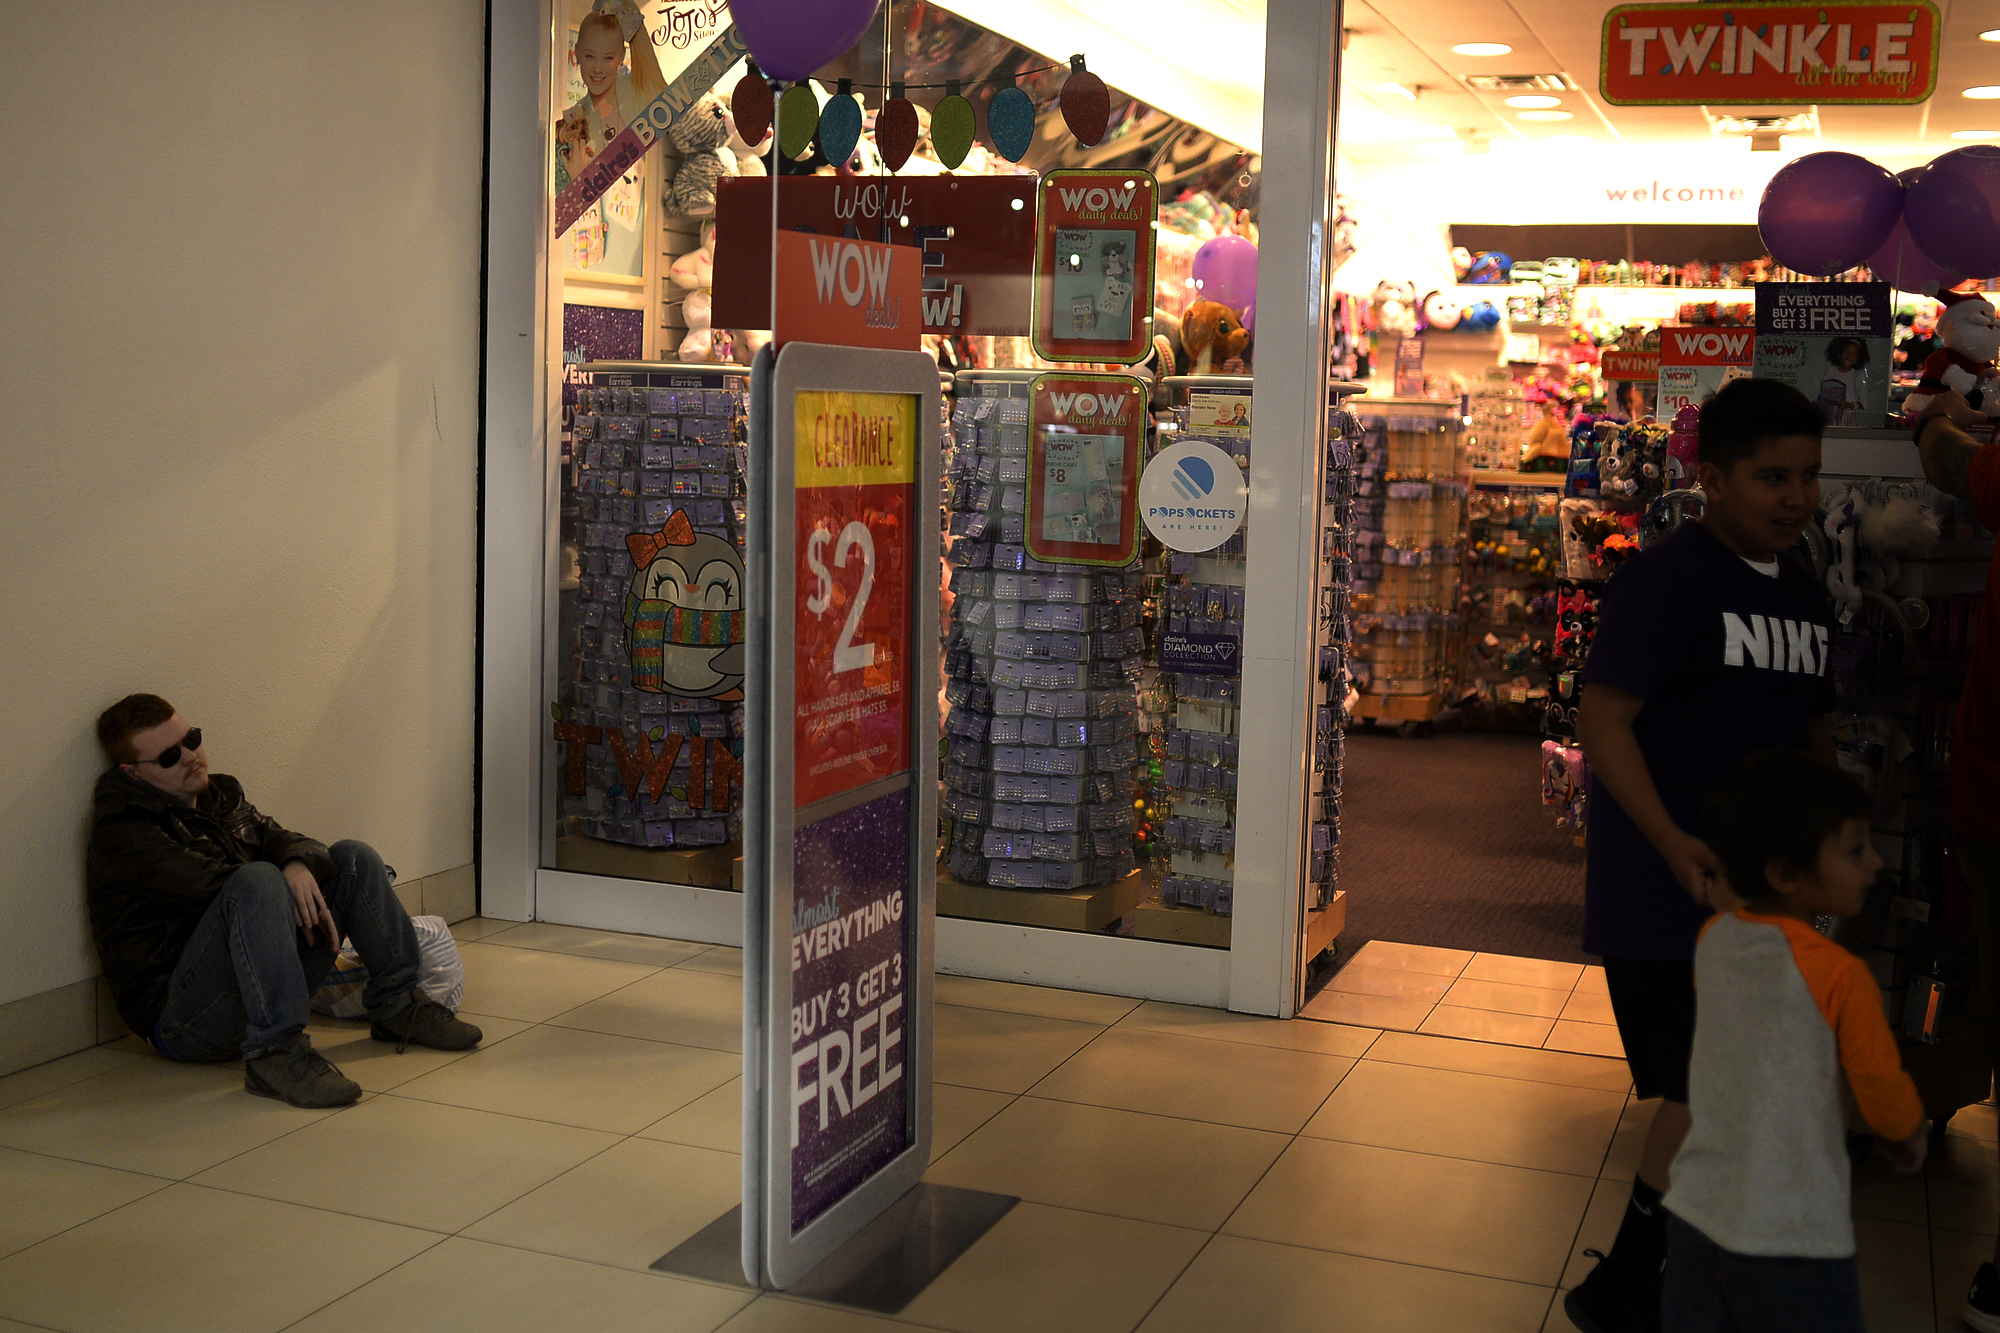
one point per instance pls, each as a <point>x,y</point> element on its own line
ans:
<point>1719,55</point>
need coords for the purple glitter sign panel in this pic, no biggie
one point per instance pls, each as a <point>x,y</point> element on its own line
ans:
<point>850,1100</point>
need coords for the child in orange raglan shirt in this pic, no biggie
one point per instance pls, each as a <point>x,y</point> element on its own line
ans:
<point>1760,1232</point>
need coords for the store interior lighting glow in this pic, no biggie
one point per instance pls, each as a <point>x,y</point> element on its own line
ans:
<point>1984,93</point>
<point>1570,140</point>
<point>1534,100</point>
<point>1399,90</point>
<point>1483,49</point>
<point>1546,115</point>
<point>1975,134</point>
<point>1990,35</point>
<point>1216,83</point>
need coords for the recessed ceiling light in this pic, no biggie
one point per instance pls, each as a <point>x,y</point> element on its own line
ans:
<point>1984,93</point>
<point>1975,134</point>
<point>1545,115</point>
<point>1399,90</point>
<point>1502,49</point>
<point>1557,101</point>
<point>1990,35</point>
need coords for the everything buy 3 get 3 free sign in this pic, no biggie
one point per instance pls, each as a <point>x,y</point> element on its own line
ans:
<point>1724,55</point>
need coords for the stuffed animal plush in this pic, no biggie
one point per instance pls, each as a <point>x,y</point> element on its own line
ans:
<point>700,137</point>
<point>1971,336</point>
<point>1213,336</point>
<point>1395,306</point>
<point>1441,312</point>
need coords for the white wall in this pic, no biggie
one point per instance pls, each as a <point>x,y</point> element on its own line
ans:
<point>239,321</point>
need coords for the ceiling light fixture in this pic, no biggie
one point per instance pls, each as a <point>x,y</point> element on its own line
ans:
<point>1546,115</point>
<point>1984,93</point>
<point>1400,91</point>
<point>1975,134</point>
<point>1990,35</point>
<point>1534,101</point>
<point>1502,49</point>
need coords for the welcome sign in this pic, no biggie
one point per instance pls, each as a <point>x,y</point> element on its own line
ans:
<point>1724,55</point>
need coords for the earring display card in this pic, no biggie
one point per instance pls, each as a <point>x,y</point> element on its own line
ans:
<point>1086,434</point>
<point>1094,265</point>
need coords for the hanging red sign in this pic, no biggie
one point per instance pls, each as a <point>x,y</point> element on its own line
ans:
<point>1723,55</point>
<point>847,293</point>
<point>1629,365</point>
<point>973,236</point>
<point>1094,265</point>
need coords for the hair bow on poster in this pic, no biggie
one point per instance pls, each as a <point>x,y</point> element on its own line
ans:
<point>644,546</point>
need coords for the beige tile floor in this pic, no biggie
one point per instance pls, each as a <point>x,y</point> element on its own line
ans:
<point>1180,1169</point>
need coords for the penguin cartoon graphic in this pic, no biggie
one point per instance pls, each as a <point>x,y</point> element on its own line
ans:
<point>684,613</point>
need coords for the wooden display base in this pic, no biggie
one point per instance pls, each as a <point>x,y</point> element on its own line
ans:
<point>1174,924</point>
<point>1091,908</point>
<point>703,867</point>
<point>1324,924</point>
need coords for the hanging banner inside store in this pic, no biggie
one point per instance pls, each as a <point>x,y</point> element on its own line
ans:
<point>1086,434</point>
<point>1695,362</point>
<point>975,235</point>
<point>1629,365</point>
<point>1094,265</point>
<point>1830,340</point>
<point>839,839</point>
<point>594,169</point>
<point>1193,497</point>
<point>847,293</point>
<point>855,463</point>
<point>1771,54</point>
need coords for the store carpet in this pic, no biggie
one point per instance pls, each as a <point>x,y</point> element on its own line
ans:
<point>1444,842</point>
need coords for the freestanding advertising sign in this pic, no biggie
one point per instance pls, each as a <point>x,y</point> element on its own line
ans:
<point>841,812</point>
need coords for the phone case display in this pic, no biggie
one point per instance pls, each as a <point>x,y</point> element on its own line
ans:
<point>1511,567</point>
<point>1499,411</point>
<point>650,696</point>
<point>1194,705</point>
<point>1409,533</point>
<point>1576,624</point>
<point>1041,662</point>
<point>1333,638</point>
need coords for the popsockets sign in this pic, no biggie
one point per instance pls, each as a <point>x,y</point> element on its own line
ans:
<point>1193,496</point>
<point>1086,434</point>
<point>1094,265</point>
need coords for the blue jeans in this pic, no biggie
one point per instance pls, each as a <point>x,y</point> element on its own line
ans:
<point>242,984</point>
<point>1712,1290</point>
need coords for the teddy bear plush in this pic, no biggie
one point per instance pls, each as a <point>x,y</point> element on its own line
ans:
<point>1965,364</point>
<point>1213,336</point>
<point>701,138</point>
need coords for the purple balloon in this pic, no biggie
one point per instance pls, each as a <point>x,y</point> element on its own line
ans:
<point>1826,212</point>
<point>1953,210</point>
<point>1901,264</point>
<point>791,39</point>
<point>1225,271</point>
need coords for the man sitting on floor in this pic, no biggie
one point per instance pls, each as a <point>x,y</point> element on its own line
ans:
<point>215,925</point>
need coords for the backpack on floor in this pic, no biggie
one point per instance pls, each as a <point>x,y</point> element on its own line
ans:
<point>440,973</point>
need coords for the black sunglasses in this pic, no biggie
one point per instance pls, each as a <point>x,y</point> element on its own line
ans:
<point>171,756</point>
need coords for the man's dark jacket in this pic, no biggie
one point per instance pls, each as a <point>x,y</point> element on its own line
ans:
<point>154,867</point>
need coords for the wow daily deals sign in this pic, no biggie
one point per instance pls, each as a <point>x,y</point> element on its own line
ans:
<point>972,238</point>
<point>847,293</point>
<point>1725,54</point>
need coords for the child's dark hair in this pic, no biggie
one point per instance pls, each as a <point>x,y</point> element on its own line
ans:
<point>1747,412</point>
<point>1778,805</point>
<point>1836,346</point>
